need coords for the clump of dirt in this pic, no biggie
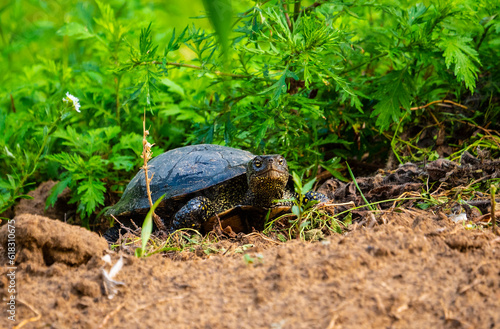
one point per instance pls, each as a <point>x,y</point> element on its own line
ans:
<point>417,270</point>
<point>41,241</point>
<point>36,206</point>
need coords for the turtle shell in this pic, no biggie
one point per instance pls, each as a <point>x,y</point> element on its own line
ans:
<point>180,173</point>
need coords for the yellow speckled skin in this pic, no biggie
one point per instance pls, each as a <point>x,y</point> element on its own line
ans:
<point>267,177</point>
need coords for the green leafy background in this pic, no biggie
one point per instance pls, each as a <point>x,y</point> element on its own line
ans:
<point>316,82</point>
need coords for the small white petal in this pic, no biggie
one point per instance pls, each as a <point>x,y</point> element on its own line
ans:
<point>462,217</point>
<point>116,268</point>
<point>107,259</point>
<point>74,100</point>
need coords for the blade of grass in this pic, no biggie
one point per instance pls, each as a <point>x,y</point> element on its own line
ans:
<point>147,227</point>
<point>357,186</point>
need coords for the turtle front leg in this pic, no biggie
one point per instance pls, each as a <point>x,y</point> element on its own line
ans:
<point>311,195</point>
<point>192,214</point>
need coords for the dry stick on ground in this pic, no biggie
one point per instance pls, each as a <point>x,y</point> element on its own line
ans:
<point>146,155</point>
<point>438,102</point>
<point>488,132</point>
<point>108,316</point>
<point>128,229</point>
<point>493,191</point>
<point>33,319</point>
<point>262,236</point>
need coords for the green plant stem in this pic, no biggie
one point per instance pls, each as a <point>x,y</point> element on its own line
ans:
<point>117,90</point>
<point>240,76</point>
<point>364,63</point>
<point>269,224</point>
<point>296,9</point>
<point>378,202</point>
<point>244,14</point>
<point>393,141</point>
<point>483,36</point>
<point>299,221</point>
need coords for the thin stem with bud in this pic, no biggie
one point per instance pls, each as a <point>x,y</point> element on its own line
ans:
<point>146,156</point>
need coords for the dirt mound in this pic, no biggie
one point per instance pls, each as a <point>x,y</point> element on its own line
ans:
<point>36,206</point>
<point>416,271</point>
<point>41,241</point>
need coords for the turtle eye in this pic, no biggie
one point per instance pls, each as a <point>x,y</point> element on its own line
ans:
<point>280,161</point>
<point>258,163</point>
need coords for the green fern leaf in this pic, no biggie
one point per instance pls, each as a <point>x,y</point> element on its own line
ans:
<point>457,50</point>
<point>91,194</point>
<point>394,94</point>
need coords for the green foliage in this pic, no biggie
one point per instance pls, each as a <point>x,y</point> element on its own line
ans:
<point>89,162</point>
<point>298,207</point>
<point>394,95</point>
<point>314,83</point>
<point>457,50</point>
<point>24,163</point>
<point>308,222</point>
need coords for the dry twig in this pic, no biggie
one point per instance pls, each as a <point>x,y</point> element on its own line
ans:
<point>487,132</point>
<point>128,229</point>
<point>493,191</point>
<point>438,102</point>
<point>32,319</point>
<point>111,314</point>
<point>146,156</point>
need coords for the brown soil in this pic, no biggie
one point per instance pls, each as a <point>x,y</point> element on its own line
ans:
<point>37,206</point>
<point>398,269</point>
<point>416,271</point>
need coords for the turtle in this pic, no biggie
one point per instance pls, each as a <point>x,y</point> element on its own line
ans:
<point>205,183</point>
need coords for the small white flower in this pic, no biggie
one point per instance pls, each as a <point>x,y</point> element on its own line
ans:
<point>72,101</point>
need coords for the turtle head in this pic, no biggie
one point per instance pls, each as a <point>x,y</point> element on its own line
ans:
<point>267,175</point>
